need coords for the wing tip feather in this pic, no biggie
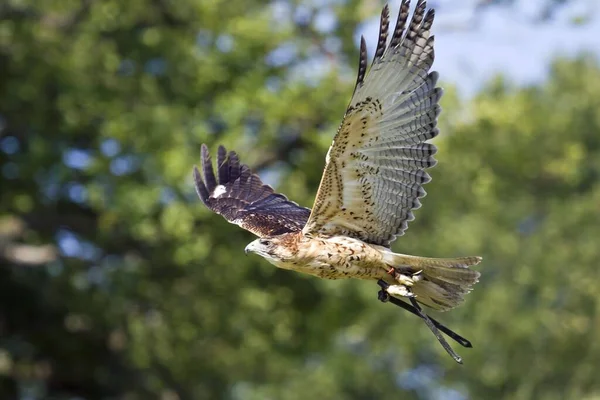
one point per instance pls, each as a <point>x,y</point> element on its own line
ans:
<point>201,189</point>
<point>207,169</point>
<point>222,165</point>
<point>400,24</point>
<point>362,62</point>
<point>384,25</point>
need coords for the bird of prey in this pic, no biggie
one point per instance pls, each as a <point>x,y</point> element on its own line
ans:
<point>373,180</point>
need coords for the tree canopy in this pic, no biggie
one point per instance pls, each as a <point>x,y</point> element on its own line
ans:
<point>115,281</point>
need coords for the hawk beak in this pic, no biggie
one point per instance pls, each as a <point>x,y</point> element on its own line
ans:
<point>248,249</point>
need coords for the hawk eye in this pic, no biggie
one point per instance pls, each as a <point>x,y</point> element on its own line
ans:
<point>264,242</point>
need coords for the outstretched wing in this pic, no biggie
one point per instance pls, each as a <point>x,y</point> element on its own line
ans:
<point>374,169</point>
<point>240,196</point>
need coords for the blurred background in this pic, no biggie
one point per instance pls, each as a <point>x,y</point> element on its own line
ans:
<point>116,283</point>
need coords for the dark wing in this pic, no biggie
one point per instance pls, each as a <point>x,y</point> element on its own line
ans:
<point>240,196</point>
<point>375,168</point>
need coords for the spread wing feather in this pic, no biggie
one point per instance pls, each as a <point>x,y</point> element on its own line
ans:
<point>243,199</point>
<point>375,167</point>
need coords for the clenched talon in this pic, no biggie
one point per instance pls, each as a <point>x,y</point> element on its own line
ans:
<point>383,296</point>
<point>404,280</point>
<point>417,276</point>
<point>399,291</point>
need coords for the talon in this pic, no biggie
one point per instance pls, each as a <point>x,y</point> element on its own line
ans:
<point>399,291</point>
<point>405,280</point>
<point>417,276</point>
<point>392,271</point>
<point>383,296</point>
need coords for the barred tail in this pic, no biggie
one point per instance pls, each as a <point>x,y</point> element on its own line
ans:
<point>444,281</point>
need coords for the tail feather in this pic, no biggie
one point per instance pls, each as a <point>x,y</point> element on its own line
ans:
<point>436,296</point>
<point>445,281</point>
<point>416,261</point>
<point>454,276</point>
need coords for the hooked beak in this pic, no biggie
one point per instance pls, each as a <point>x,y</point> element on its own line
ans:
<point>248,249</point>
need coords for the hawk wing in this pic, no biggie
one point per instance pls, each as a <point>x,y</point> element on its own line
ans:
<point>241,197</point>
<point>374,169</point>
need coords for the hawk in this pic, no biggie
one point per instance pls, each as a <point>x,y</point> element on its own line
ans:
<point>373,180</point>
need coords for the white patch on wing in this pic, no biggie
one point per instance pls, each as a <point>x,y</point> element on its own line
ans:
<point>219,191</point>
<point>239,222</point>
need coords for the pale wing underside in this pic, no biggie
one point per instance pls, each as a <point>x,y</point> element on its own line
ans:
<point>375,166</point>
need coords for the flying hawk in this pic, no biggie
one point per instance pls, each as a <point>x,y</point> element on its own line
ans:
<point>373,180</point>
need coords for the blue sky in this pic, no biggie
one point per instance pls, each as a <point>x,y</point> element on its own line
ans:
<point>473,46</point>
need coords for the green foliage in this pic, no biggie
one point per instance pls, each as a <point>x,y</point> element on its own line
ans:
<point>103,106</point>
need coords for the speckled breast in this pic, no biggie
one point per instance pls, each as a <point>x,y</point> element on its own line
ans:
<point>335,258</point>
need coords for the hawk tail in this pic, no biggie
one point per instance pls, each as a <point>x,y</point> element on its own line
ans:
<point>439,283</point>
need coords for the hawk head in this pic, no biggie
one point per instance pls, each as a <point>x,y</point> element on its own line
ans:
<point>275,249</point>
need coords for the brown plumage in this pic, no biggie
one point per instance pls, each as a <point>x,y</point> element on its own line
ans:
<point>241,197</point>
<point>373,180</point>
